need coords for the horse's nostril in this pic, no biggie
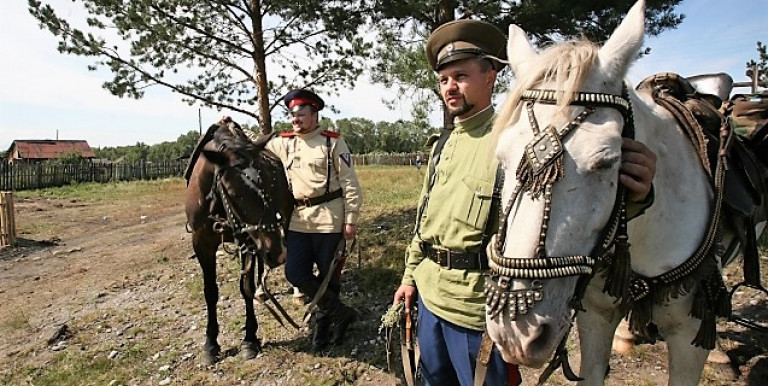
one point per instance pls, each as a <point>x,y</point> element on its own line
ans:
<point>542,335</point>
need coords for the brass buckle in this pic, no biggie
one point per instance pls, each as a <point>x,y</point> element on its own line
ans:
<point>305,202</point>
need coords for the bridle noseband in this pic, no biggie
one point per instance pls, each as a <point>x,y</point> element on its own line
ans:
<point>540,168</point>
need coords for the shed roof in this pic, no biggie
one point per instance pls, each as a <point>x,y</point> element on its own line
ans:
<point>49,149</point>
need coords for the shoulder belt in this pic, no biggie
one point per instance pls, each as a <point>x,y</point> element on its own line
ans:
<point>432,139</point>
<point>438,148</point>
<point>330,134</point>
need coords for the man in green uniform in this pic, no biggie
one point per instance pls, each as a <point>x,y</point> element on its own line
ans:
<point>328,199</point>
<point>446,258</point>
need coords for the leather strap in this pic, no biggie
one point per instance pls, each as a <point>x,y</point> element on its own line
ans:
<point>408,350</point>
<point>313,201</point>
<point>444,134</point>
<point>454,259</point>
<point>483,357</point>
<point>339,255</point>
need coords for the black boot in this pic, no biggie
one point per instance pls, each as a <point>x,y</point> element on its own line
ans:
<point>342,317</point>
<point>320,334</point>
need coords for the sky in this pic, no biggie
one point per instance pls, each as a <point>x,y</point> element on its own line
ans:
<point>48,95</point>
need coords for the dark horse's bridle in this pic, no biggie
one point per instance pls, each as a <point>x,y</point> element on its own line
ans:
<point>539,169</point>
<point>271,221</point>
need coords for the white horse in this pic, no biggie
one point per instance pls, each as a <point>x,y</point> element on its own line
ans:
<point>562,212</point>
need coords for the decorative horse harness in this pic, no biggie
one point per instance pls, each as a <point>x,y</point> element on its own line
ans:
<point>540,168</point>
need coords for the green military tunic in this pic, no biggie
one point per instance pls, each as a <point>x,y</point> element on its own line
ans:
<point>305,158</point>
<point>455,215</point>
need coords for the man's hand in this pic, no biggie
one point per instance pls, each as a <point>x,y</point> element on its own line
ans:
<point>638,167</point>
<point>350,230</point>
<point>405,293</point>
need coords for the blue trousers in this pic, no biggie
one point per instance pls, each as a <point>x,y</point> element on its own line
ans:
<point>449,354</point>
<point>306,250</point>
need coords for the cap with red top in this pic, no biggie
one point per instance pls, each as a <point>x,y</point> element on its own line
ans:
<point>302,97</point>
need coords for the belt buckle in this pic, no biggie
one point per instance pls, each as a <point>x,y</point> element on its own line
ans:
<point>305,202</point>
<point>447,254</point>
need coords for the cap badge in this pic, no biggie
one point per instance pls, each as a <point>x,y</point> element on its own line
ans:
<point>449,47</point>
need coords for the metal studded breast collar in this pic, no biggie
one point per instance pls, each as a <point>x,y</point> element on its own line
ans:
<point>540,168</point>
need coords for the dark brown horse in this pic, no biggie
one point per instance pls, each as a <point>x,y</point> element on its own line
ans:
<point>236,191</point>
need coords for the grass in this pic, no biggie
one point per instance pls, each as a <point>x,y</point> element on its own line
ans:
<point>104,191</point>
<point>388,187</point>
<point>14,321</point>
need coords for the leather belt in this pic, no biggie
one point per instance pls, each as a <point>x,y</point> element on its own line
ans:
<point>312,201</point>
<point>454,259</point>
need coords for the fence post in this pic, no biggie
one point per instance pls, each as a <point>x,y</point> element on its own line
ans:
<point>7,220</point>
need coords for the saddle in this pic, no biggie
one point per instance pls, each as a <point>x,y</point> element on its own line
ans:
<point>708,112</point>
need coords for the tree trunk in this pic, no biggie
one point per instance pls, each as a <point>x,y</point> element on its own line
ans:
<point>260,68</point>
<point>446,11</point>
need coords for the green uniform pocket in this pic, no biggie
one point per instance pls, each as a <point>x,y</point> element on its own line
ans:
<point>473,201</point>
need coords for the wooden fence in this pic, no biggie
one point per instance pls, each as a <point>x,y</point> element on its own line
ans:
<point>23,176</point>
<point>7,220</point>
<point>387,158</point>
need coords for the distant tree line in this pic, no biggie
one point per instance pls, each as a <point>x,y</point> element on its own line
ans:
<point>362,135</point>
<point>162,151</point>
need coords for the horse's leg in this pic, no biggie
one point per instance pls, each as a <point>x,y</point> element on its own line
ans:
<point>596,326</point>
<point>686,361</point>
<point>251,345</point>
<point>205,249</point>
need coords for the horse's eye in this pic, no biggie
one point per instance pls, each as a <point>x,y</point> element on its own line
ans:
<point>603,163</point>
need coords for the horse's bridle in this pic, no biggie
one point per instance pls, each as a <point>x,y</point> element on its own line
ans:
<point>540,168</point>
<point>252,178</point>
<point>245,244</point>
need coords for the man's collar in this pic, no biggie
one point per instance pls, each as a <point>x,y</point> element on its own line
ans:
<point>457,120</point>
<point>477,120</point>
<point>310,134</point>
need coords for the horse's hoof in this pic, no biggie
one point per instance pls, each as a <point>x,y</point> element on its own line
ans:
<point>211,353</point>
<point>260,296</point>
<point>718,357</point>
<point>210,358</point>
<point>623,347</point>
<point>249,350</point>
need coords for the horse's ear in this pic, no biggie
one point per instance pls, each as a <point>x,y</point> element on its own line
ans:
<point>262,140</point>
<point>217,157</point>
<point>623,47</point>
<point>519,50</point>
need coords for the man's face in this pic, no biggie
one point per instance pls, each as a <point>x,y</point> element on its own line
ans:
<point>304,119</point>
<point>465,88</point>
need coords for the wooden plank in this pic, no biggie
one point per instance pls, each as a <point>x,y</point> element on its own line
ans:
<point>7,220</point>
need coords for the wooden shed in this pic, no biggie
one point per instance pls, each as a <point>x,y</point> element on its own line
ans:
<point>38,150</point>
